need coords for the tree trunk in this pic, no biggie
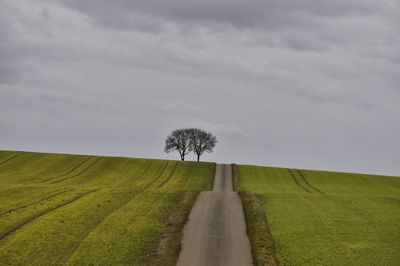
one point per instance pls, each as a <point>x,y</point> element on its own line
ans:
<point>198,158</point>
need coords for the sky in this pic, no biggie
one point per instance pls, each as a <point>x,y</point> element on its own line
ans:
<point>290,83</point>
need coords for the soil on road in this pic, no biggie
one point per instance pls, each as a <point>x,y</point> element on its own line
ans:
<point>216,231</point>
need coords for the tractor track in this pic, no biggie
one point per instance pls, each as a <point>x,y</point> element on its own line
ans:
<point>171,174</point>
<point>297,182</point>
<point>308,184</point>
<point>25,160</point>
<point>125,202</point>
<point>33,203</point>
<point>69,172</point>
<point>80,173</point>
<point>9,159</point>
<point>156,177</point>
<point>37,215</point>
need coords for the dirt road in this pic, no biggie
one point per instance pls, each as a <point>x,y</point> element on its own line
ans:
<point>216,231</point>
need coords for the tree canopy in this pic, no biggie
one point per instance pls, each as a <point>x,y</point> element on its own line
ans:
<point>178,140</point>
<point>190,139</point>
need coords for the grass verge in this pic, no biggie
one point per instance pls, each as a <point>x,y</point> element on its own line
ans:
<point>170,241</point>
<point>262,242</point>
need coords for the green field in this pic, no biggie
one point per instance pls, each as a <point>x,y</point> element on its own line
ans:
<point>89,210</point>
<point>326,218</point>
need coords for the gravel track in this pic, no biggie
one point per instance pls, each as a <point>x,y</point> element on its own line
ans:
<point>216,231</point>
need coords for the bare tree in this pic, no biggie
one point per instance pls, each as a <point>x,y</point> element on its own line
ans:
<point>201,141</point>
<point>179,140</point>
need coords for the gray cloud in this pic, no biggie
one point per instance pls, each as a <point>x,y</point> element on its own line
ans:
<point>289,83</point>
<point>239,13</point>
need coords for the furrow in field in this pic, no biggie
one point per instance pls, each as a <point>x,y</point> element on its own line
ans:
<point>69,172</point>
<point>124,203</point>
<point>171,174</point>
<point>308,184</point>
<point>73,257</point>
<point>297,182</point>
<point>18,165</point>
<point>46,216</point>
<point>139,173</point>
<point>153,180</point>
<point>9,159</point>
<point>37,215</point>
<point>33,203</point>
<point>156,177</point>
<point>80,173</point>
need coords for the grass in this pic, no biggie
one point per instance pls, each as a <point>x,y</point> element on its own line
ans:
<point>263,246</point>
<point>90,210</point>
<point>321,218</point>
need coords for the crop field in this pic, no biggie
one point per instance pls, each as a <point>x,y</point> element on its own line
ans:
<point>89,210</point>
<point>327,218</point>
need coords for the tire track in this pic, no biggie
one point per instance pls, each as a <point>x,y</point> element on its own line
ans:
<point>33,203</point>
<point>297,182</point>
<point>78,174</point>
<point>305,180</point>
<point>171,174</point>
<point>143,215</point>
<point>124,203</point>
<point>37,215</point>
<point>157,176</point>
<point>69,172</point>
<point>9,159</point>
<point>138,173</point>
<point>32,157</point>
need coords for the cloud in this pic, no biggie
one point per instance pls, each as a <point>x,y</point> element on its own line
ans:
<point>293,83</point>
<point>239,13</point>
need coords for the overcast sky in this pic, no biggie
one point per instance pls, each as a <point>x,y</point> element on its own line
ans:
<point>292,83</point>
